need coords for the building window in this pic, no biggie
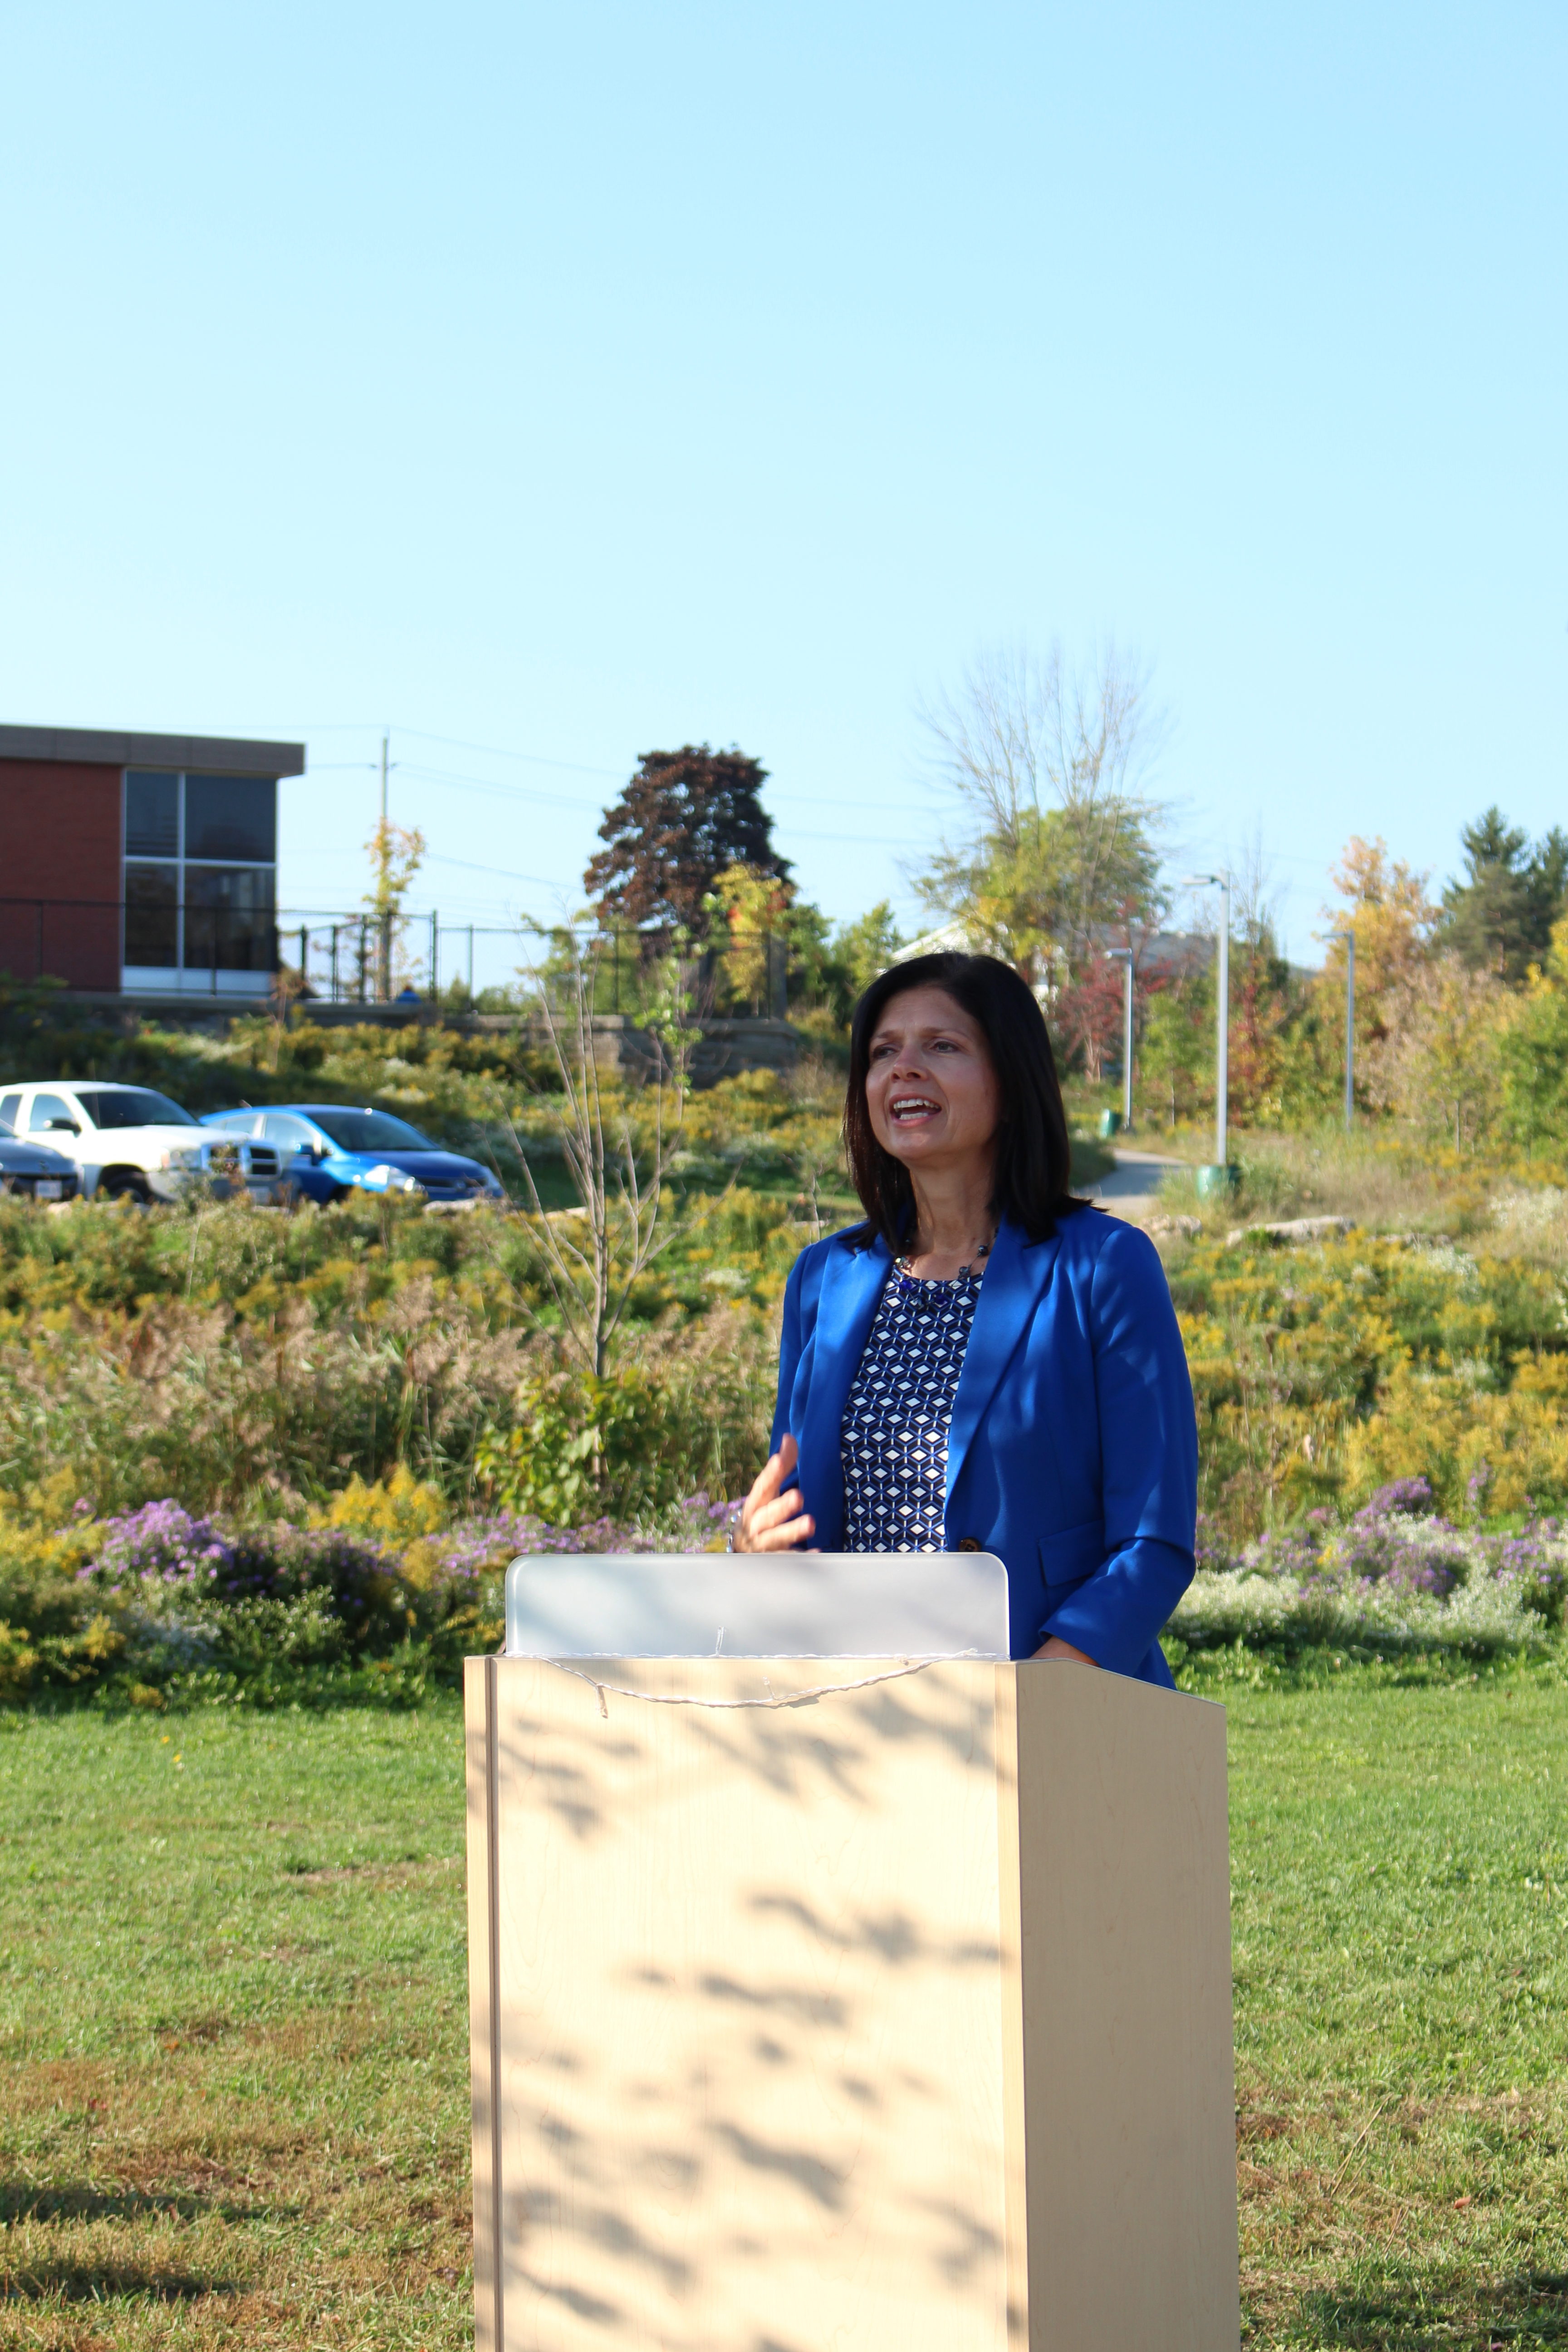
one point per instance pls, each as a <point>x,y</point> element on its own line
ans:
<point>231,817</point>
<point>200,880</point>
<point>151,816</point>
<point>152,915</point>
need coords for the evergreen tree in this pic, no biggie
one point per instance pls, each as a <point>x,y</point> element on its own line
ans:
<point>1499,920</point>
<point>1548,873</point>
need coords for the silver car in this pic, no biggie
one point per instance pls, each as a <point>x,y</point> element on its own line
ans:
<point>35,1171</point>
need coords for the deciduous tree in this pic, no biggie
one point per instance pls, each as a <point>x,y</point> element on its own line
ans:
<point>1176,1052</point>
<point>1441,1068</point>
<point>752,911</point>
<point>1385,905</point>
<point>865,948</point>
<point>396,853</point>
<point>1050,770</point>
<point>616,1142</point>
<point>684,817</point>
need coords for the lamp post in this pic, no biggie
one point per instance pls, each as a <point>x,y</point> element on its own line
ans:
<point>1123,956</point>
<point>1221,882</point>
<point>1350,1030</point>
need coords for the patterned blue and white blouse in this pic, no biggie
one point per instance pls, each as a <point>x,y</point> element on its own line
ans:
<point>894,1442</point>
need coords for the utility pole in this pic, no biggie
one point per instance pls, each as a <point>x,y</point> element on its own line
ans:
<point>383,885</point>
<point>1350,1030</point>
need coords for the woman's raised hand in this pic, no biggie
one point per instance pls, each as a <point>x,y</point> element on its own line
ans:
<point>772,1517</point>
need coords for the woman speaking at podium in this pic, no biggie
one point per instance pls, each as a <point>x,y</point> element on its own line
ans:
<point>985,1364</point>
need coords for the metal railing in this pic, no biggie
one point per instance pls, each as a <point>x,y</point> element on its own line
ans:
<point>364,959</point>
<point>90,942</point>
<point>358,957</point>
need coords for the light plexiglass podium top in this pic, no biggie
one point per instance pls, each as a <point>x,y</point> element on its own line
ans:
<point>920,1604</point>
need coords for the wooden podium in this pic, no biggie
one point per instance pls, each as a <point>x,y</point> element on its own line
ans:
<point>894,2019</point>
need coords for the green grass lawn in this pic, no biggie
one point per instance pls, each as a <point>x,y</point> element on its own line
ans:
<point>233,2028</point>
<point>233,2022</point>
<point>1400,1904</point>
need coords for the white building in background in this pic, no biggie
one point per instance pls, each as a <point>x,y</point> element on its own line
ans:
<point>1156,955</point>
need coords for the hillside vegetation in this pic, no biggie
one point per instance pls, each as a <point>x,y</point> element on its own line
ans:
<point>369,1407</point>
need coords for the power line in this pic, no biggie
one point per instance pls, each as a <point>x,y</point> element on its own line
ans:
<point>844,840</point>
<point>420,774</point>
<point>494,752</point>
<point>458,743</point>
<point>540,759</point>
<point>502,873</point>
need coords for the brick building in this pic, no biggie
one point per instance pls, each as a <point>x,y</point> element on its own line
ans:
<point>140,864</point>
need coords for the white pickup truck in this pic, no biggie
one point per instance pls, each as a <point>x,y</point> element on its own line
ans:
<point>128,1139</point>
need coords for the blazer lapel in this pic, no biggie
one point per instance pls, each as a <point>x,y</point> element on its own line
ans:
<point>1014,1278</point>
<point>852,1284</point>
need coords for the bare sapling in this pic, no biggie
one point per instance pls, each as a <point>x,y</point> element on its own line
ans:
<point>592,1256</point>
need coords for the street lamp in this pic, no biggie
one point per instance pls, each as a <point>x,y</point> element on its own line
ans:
<point>1123,956</point>
<point>1220,882</point>
<point>1350,1029</point>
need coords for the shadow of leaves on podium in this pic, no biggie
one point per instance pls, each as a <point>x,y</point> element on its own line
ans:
<point>574,2299</point>
<point>768,1746</point>
<point>777,2013</point>
<point>606,2228</point>
<point>893,1935</point>
<point>799,2165</point>
<point>566,1787</point>
<point>971,2245</point>
<point>797,2003</point>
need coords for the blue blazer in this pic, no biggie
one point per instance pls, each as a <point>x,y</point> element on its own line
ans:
<point>1072,1452</point>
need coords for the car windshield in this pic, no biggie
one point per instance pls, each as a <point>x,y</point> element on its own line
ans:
<point>131,1107</point>
<point>369,1131</point>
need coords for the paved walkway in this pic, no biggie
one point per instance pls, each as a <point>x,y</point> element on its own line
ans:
<point>1132,1189</point>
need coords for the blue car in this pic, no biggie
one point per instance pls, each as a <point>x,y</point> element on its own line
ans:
<point>326,1150</point>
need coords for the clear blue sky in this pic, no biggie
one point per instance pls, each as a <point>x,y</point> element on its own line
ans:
<point>572,382</point>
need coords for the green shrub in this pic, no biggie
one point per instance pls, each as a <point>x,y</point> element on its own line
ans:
<point>691,1414</point>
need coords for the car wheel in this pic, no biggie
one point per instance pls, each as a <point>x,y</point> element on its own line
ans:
<point>124,1184</point>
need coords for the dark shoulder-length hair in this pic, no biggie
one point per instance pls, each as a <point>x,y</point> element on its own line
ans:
<point>1034,1159</point>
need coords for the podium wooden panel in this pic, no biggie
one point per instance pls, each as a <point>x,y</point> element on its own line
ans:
<point>895,2020</point>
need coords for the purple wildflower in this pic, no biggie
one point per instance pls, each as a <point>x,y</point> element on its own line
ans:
<point>1214,1551</point>
<point>162,1544</point>
<point>1407,1497</point>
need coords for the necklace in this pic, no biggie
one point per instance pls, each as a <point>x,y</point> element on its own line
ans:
<point>906,1273</point>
